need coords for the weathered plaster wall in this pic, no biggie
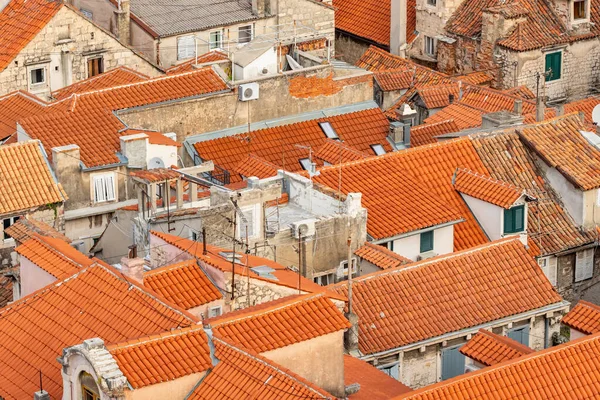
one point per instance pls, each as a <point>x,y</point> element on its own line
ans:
<point>174,389</point>
<point>349,49</point>
<point>33,277</point>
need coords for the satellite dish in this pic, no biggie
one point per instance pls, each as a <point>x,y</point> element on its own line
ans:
<point>156,162</point>
<point>596,115</point>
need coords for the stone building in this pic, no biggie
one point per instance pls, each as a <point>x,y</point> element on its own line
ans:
<point>49,44</point>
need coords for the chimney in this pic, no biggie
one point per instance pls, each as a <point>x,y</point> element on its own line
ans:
<point>124,22</point>
<point>132,266</point>
<point>518,107</point>
<point>351,335</point>
<point>540,109</point>
<point>259,7</point>
<point>399,134</point>
<point>41,395</point>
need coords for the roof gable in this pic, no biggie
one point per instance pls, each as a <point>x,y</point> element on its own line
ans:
<point>15,106</point>
<point>486,188</point>
<point>381,256</point>
<point>490,349</point>
<point>585,317</point>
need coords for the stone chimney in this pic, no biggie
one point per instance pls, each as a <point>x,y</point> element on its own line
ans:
<point>351,335</point>
<point>540,109</point>
<point>518,107</point>
<point>132,266</point>
<point>41,395</point>
<point>124,22</point>
<point>261,7</point>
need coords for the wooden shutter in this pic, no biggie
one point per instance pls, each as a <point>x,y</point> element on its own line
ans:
<point>584,265</point>
<point>109,182</point>
<point>519,218</point>
<point>99,194</point>
<point>549,267</point>
<point>553,63</point>
<point>453,363</point>
<point>185,47</point>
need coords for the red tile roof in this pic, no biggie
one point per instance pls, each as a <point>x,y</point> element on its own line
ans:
<point>26,227</point>
<point>335,151</point>
<point>476,78</point>
<point>586,106</point>
<point>438,96</point>
<point>412,189</point>
<point>155,137</point>
<point>395,79</point>
<point>155,175</point>
<point>503,280</point>
<point>114,77</point>
<point>13,107</point>
<point>491,100</point>
<point>277,145</point>
<point>96,302</point>
<point>426,133</point>
<point>491,349</point>
<point>6,290</point>
<point>256,166</point>
<point>27,182</point>
<point>183,284</point>
<point>88,121</point>
<point>464,116</point>
<point>567,371</point>
<point>485,188</point>
<point>585,317</point>
<point>285,323</point>
<point>243,374</point>
<point>21,21</point>
<point>374,384</point>
<point>381,256</point>
<point>522,91</point>
<point>366,19</point>
<point>188,66</point>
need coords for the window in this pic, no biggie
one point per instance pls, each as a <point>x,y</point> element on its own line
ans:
<point>104,188</point>
<point>378,149</point>
<point>514,220</point>
<point>305,163</point>
<point>7,223</point>
<point>430,46</point>
<point>95,66</point>
<point>579,9</point>
<point>344,265</point>
<point>432,2</point>
<point>549,266</point>
<point>245,34</point>
<point>553,66</point>
<point>87,394</point>
<point>86,13</point>
<point>389,245</point>
<point>392,371</point>
<point>584,265</point>
<point>89,388</point>
<point>252,217</point>
<point>324,280</point>
<point>38,76</point>
<point>453,362</point>
<point>426,242</point>
<point>328,130</point>
<point>186,47</point>
<point>215,40</point>
<point>214,312</point>
<point>520,334</point>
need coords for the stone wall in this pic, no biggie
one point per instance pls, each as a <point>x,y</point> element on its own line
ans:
<point>574,291</point>
<point>349,49</point>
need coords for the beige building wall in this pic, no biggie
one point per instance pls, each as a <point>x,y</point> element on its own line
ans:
<point>175,389</point>
<point>431,20</point>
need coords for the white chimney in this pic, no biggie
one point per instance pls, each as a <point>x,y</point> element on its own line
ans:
<point>132,266</point>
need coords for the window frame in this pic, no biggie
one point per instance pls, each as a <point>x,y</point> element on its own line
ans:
<point>585,11</point>
<point>510,215</point>
<point>428,41</point>
<point>219,43</point>
<point>93,187</point>
<point>549,267</point>
<point>422,243</point>
<point>100,66</point>
<point>211,309</point>
<point>549,77</point>
<point>520,328</point>
<point>330,132</point>
<point>304,161</point>
<point>391,370</point>
<point>5,236</point>
<point>431,3</point>
<point>186,50</point>
<point>242,29</point>
<point>579,256</point>
<point>42,82</point>
<point>378,149</point>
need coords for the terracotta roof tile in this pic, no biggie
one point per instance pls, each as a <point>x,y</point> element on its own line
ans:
<point>426,133</point>
<point>277,145</point>
<point>27,181</point>
<point>586,106</point>
<point>438,96</point>
<point>287,322</point>
<point>521,91</point>
<point>567,371</point>
<point>374,384</point>
<point>188,66</point>
<point>243,374</point>
<point>396,79</point>
<point>335,151</point>
<point>381,256</point>
<point>256,166</point>
<point>485,188</point>
<point>114,77</point>
<point>437,301</point>
<point>6,290</point>
<point>491,100</point>
<point>96,302</point>
<point>155,175</point>
<point>367,19</point>
<point>389,186</point>
<point>376,59</point>
<point>585,317</point>
<point>464,116</point>
<point>491,349</point>
<point>15,106</point>
<point>476,78</point>
<point>154,137</point>
<point>25,228</point>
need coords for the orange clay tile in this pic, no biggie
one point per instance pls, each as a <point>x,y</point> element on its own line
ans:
<point>576,159</point>
<point>395,79</point>
<point>568,371</point>
<point>438,96</point>
<point>155,175</point>
<point>243,374</point>
<point>183,284</point>
<point>521,91</point>
<point>549,226</point>
<point>435,299</point>
<point>115,77</point>
<point>96,302</point>
<point>188,66</point>
<point>489,349</point>
<point>6,290</point>
<point>335,152</point>
<point>464,116</point>
<point>412,189</point>
<point>585,317</point>
<point>491,100</point>
<point>586,106</point>
<point>374,384</point>
<point>476,78</point>
<point>256,166</point>
<point>153,137</point>
<point>277,145</point>
<point>426,133</point>
<point>15,106</point>
<point>285,323</point>
<point>87,119</point>
<point>25,228</point>
<point>163,357</point>
<point>26,180</point>
<point>485,188</point>
<point>381,256</point>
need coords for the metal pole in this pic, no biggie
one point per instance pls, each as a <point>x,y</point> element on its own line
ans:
<point>299,261</point>
<point>247,267</point>
<point>349,271</point>
<point>233,258</point>
<point>204,241</point>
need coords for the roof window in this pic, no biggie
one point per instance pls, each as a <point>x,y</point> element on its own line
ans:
<point>305,162</point>
<point>328,130</point>
<point>378,149</point>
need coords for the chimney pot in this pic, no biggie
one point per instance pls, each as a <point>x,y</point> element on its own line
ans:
<point>518,107</point>
<point>41,395</point>
<point>133,268</point>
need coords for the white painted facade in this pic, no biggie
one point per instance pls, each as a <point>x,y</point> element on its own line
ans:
<point>33,277</point>
<point>409,246</point>
<point>491,216</point>
<point>141,153</point>
<point>262,65</point>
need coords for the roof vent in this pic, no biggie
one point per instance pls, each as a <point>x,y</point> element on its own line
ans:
<point>264,272</point>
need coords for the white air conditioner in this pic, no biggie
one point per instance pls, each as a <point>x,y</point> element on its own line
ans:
<point>248,91</point>
<point>304,228</point>
<point>79,245</point>
<point>426,255</point>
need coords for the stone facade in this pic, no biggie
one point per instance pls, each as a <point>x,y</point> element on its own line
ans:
<point>62,48</point>
<point>574,291</point>
<point>432,16</point>
<point>350,49</point>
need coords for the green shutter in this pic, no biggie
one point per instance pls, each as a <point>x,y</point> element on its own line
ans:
<point>554,64</point>
<point>426,242</point>
<point>514,219</point>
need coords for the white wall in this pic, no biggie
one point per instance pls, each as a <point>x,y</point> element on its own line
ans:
<point>167,153</point>
<point>254,69</point>
<point>443,243</point>
<point>488,215</point>
<point>575,334</point>
<point>33,277</point>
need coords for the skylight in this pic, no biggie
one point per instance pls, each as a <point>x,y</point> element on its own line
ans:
<point>328,130</point>
<point>305,162</point>
<point>378,149</point>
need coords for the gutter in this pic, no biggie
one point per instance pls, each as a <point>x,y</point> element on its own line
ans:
<point>417,232</point>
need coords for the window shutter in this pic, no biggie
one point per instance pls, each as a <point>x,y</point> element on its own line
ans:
<point>584,265</point>
<point>185,47</point>
<point>109,181</point>
<point>552,270</point>
<point>99,194</point>
<point>519,219</point>
<point>509,225</point>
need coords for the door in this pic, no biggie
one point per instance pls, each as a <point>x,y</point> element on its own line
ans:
<point>453,362</point>
<point>520,334</point>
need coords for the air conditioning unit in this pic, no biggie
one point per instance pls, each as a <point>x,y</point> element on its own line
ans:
<point>248,91</point>
<point>471,368</point>
<point>79,245</point>
<point>304,228</point>
<point>426,255</point>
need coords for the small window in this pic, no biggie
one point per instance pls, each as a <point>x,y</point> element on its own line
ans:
<point>345,267</point>
<point>214,311</point>
<point>86,13</point>
<point>6,223</point>
<point>245,34</point>
<point>95,66</point>
<point>553,66</point>
<point>216,40</point>
<point>548,266</point>
<point>514,220</point>
<point>393,371</point>
<point>252,218</point>
<point>104,188</point>
<point>378,149</point>
<point>328,130</point>
<point>186,47</point>
<point>429,44</point>
<point>579,9</point>
<point>38,76</point>
<point>426,242</point>
<point>584,265</point>
<point>305,163</point>
<point>432,2</point>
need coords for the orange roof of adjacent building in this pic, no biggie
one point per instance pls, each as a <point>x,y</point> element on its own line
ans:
<point>115,77</point>
<point>438,96</point>
<point>426,133</point>
<point>476,78</point>
<point>485,188</point>
<point>395,79</point>
<point>183,284</point>
<point>567,371</point>
<point>585,317</point>
<point>503,280</point>
<point>412,189</point>
<point>95,302</point>
<point>26,227</point>
<point>381,256</point>
<point>335,152</point>
<point>27,181</point>
<point>189,66</point>
<point>489,349</point>
<point>521,91</point>
<point>462,115</point>
<point>13,107</point>
<point>374,384</point>
<point>256,166</point>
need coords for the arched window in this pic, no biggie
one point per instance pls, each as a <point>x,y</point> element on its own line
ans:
<point>89,389</point>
